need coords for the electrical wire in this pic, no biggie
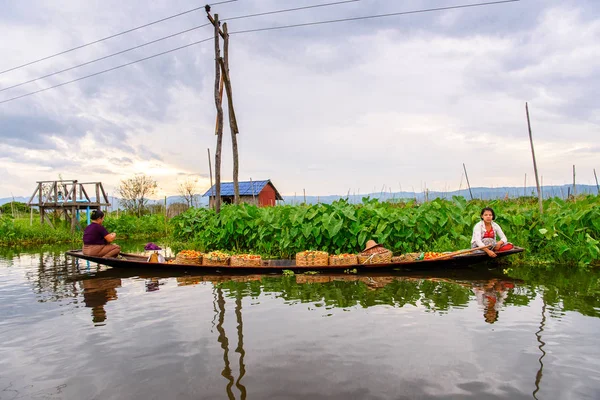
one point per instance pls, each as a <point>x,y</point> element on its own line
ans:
<point>101,58</point>
<point>106,70</point>
<point>173,35</point>
<point>260,30</point>
<point>290,9</point>
<point>374,16</point>
<point>112,36</point>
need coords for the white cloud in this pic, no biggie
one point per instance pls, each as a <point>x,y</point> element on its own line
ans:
<point>396,105</point>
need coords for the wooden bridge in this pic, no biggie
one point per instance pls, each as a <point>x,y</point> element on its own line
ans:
<point>67,198</point>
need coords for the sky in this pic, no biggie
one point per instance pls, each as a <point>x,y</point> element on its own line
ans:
<point>382,104</point>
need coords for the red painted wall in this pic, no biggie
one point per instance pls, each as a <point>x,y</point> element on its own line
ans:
<point>266,197</point>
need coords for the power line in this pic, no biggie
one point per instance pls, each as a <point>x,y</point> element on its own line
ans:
<point>290,9</point>
<point>102,58</point>
<point>170,36</point>
<point>111,36</point>
<point>259,30</point>
<point>106,70</point>
<point>374,16</point>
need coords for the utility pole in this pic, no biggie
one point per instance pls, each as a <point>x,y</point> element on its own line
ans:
<point>537,181</point>
<point>215,22</point>
<point>223,77</point>
<point>233,127</point>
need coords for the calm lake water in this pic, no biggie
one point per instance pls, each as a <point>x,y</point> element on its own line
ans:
<point>75,330</point>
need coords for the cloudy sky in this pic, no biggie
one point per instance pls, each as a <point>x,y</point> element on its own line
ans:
<point>386,103</point>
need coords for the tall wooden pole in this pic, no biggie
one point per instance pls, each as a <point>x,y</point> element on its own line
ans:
<point>597,186</point>
<point>232,120</point>
<point>219,117</point>
<point>537,181</point>
<point>211,181</point>
<point>574,187</point>
<point>468,184</point>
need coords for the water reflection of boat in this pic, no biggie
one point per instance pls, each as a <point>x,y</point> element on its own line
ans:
<point>133,260</point>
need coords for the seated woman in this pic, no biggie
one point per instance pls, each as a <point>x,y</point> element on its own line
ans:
<point>486,231</point>
<point>96,239</point>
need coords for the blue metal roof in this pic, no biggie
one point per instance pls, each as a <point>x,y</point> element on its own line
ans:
<point>248,188</point>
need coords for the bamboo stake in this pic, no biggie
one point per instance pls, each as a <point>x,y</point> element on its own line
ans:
<point>574,187</point>
<point>211,181</point>
<point>467,178</point>
<point>596,176</point>
<point>537,181</point>
<point>253,197</point>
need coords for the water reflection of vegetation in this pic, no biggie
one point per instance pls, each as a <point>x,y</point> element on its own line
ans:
<point>434,295</point>
<point>56,277</point>
<point>565,289</point>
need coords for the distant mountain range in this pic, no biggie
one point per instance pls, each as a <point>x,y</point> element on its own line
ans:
<point>478,193</point>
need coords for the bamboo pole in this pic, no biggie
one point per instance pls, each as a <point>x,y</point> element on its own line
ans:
<point>211,181</point>
<point>537,181</point>
<point>574,187</point>
<point>467,178</point>
<point>597,186</point>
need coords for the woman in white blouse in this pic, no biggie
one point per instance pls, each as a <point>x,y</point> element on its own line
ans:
<point>486,231</point>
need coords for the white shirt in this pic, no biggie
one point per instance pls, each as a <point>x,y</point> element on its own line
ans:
<point>479,231</point>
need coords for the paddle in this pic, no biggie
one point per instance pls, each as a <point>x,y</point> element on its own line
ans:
<point>459,252</point>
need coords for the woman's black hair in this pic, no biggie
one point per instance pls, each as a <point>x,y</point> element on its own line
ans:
<point>490,210</point>
<point>97,214</point>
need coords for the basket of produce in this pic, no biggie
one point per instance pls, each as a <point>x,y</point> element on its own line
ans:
<point>343,259</point>
<point>189,257</point>
<point>406,257</point>
<point>245,260</point>
<point>375,258</point>
<point>310,258</point>
<point>374,254</point>
<point>215,259</point>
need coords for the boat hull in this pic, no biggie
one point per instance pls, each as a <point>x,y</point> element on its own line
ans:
<point>138,261</point>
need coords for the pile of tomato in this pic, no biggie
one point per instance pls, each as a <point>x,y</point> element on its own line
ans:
<point>190,254</point>
<point>430,255</point>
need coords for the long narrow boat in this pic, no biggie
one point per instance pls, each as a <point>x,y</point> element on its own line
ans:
<point>134,260</point>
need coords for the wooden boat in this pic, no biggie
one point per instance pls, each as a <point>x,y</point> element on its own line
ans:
<point>140,261</point>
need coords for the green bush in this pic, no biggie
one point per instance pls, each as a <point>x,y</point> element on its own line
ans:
<point>567,232</point>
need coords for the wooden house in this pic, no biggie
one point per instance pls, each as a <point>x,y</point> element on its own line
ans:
<point>261,193</point>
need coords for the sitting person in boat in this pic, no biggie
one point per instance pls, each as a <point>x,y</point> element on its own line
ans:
<point>96,239</point>
<point>485,233</point>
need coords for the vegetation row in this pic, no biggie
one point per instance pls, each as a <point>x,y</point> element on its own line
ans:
<point>567,233</point>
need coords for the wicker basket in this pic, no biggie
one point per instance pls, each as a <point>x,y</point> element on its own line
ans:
<point>343,259</point>
<point>407,257</point>
<point>183,259</point>
<point>211,260</point>
<point>377,258</point>
<point>240,261</point>
<point>312,258</point>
